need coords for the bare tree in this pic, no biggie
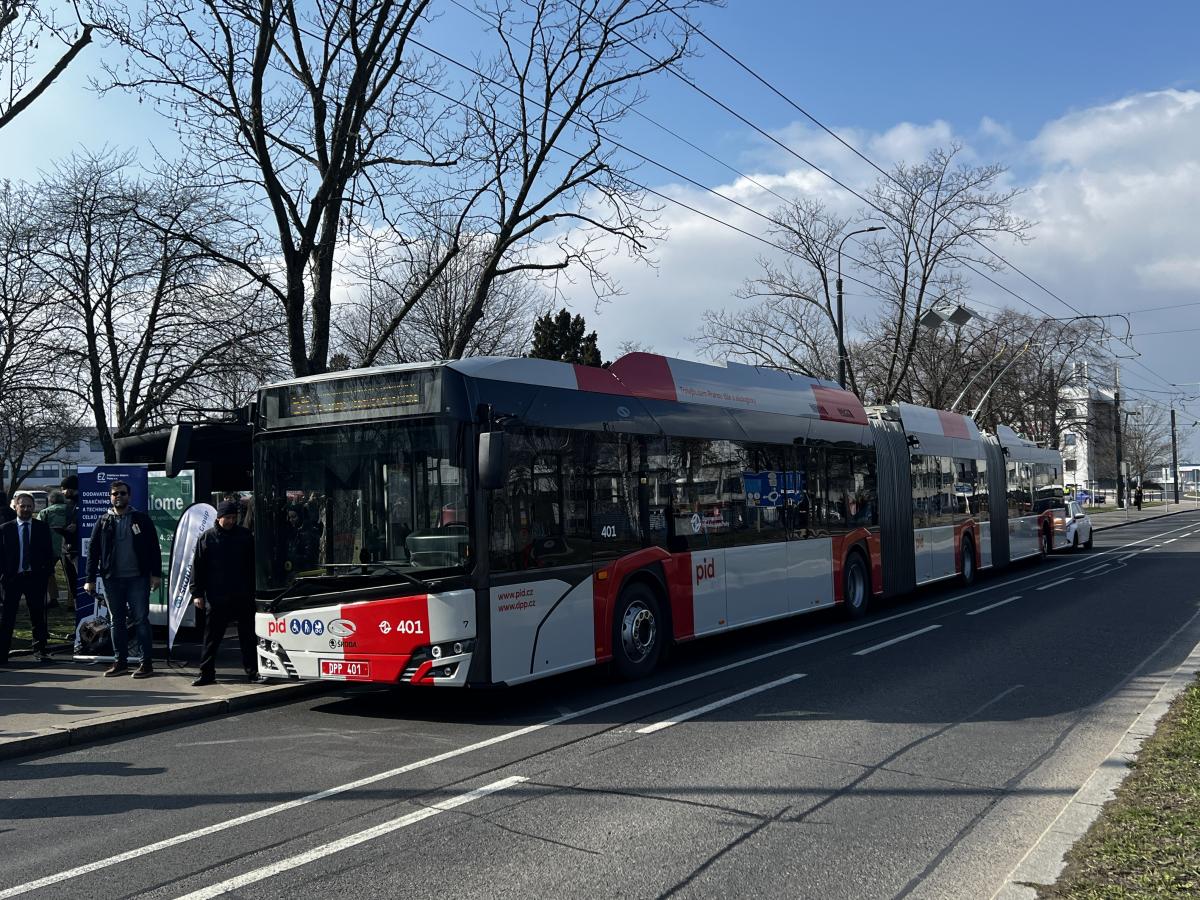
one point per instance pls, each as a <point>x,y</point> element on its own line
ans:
<point>312,112</point>
<point>556,196</point>
<point>25,312</point>
<point>37,422</point>
<point>35,428</point>
<point>433,322</point>
<point>23,24</point>
<point>788,320</point>
<point>144,313</point>
<point>938,216</point>
<point>937,219</point>
<point>1147,443</point>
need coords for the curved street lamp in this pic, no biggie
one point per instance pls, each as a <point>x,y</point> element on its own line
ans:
<point>840,326</point>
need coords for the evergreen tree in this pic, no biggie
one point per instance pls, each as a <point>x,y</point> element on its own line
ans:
<point>561,337</point>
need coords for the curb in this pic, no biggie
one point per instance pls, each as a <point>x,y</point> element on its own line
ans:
<point>174,714</point>
<point>1046,859</point>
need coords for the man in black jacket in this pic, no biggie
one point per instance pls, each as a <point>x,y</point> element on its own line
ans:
<point>223,586</point>
<point>124,552</point>
<point>26,561</point>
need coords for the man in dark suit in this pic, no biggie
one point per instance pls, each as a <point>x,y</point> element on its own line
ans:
<point>26,561</point>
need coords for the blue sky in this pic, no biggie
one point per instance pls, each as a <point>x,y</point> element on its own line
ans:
<point>1094,108</point>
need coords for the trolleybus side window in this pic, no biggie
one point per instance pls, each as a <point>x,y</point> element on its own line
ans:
<point>539,518</point>
<point>615,515</point>
<point>768,486</point>
<point>852,491</point>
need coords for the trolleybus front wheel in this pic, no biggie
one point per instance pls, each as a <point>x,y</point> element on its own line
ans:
<point>637,632</point>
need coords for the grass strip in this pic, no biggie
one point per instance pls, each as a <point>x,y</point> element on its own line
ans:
<point>1146,842</point>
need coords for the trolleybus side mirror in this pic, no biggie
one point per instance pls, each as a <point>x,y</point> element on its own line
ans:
<point>177,448</point>
<point>491,460</point>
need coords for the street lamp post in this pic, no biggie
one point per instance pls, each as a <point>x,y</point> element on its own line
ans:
<point>840,326</point>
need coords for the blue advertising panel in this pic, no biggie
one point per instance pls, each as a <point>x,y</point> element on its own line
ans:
<point>93,502</point>
<point>772,489</point>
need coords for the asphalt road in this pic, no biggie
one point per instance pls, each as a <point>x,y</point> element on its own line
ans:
<point>917,753</point>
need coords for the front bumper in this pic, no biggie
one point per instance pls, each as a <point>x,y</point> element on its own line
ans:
<point>427,639</point>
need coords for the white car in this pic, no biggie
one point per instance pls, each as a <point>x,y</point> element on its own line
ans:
<point>1074,527</point>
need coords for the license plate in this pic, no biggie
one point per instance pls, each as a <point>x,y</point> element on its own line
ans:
<point>341,668</point>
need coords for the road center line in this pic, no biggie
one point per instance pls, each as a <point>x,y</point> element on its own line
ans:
<point>981,609</point>
<point>334,847</point>
<point>218,827</point>
<point>716,704</point>
<point>1046,587</point>
<point>895,640</point>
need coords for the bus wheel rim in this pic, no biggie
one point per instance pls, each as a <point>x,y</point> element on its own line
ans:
<point>638,631</point>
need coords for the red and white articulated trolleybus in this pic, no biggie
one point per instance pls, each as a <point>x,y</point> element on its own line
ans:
<point>490,520</point>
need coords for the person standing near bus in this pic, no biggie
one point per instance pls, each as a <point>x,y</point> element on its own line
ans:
<point>26,561</point>
<point>124,552</point>
<point>223,586</point>
<point>55,516</point>
<point>70,535</point>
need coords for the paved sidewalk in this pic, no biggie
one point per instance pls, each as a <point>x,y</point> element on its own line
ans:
<point>48,706</point>
<point>1103,518</point>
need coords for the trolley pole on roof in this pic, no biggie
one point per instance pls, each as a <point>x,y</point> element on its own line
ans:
<point>840,326</point>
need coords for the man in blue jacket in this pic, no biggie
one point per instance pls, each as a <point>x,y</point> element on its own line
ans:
<point>124,552</point>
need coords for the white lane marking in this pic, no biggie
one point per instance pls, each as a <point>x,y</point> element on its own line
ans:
<point>716,704</point>
<point>1096,569</point>
<point>333,847</point>
<point>1127,556</point>
<point>896,640</point>
<point>218,827</point>
<point>981,609</point>
<point>1046,587</point>
<point>1171,541</point>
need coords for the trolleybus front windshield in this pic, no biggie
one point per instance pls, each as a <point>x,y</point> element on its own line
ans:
<point>361,499</point>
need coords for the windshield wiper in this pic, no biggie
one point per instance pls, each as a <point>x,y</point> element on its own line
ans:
<point>273,605</point>
<point>387,567</point>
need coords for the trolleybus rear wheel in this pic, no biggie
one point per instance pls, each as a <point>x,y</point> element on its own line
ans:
<point>856,590</point>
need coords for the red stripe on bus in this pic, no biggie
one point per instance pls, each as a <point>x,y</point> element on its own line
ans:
<point>646,375</point>
<point>836,405</point>
<point>953,425</point>
<point>678,569</point>
<point>601,381</point>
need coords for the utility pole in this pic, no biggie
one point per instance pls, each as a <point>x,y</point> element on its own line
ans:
<point>1174,457</point>
<point>1117,436</point>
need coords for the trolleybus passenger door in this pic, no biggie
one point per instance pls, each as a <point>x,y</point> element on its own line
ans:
<point>925,473</point>
<point>756,560</point>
